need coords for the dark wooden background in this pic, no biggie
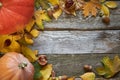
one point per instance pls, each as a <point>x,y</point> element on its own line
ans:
<point>73,41</point>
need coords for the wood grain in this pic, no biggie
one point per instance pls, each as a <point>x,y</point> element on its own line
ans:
<point>69,22</point>
<point>72,65</point>
<point>71,42</point>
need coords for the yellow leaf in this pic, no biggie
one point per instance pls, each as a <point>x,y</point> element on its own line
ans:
<point>57,13</point>
<point>111,4</point>
<point>28,40</point>
<point>30,25</point>
<point>8,44</point>
<point>102,1</point>
<point>46,72</point>
<point>16,37</point>
<point>110,67</point>
<point>71,78</point>
<point>54,2</point>
<point>39,23</point>
<point>105,10</point>
<point>34,32</point>
<point>27,52</point>
<point>88,76</point>
<point>41,15</point>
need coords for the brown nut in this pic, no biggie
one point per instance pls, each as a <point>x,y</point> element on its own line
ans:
<point>106,20</point>
<point>87,68</point>
<point>42,59</point>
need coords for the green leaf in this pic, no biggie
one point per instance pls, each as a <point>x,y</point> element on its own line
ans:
<point>110,67</point>
<point>37,68</point>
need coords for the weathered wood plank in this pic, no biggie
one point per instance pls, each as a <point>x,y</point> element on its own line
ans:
<point>70,42</point>
<point>81,23</point>
<point>72,65</point>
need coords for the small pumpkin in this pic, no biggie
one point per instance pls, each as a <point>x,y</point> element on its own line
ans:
<point>14,66</point>
<point>14,14</point>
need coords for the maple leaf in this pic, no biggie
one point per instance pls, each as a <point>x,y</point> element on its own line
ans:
<point>110,67</point>
<point>91,7</point>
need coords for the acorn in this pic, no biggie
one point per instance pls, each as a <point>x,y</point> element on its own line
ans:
<point>106,20</point>
<point>87,68</point>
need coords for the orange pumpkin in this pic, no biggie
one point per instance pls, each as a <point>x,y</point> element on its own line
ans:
<point>14,14</point>
<point>14,66</point>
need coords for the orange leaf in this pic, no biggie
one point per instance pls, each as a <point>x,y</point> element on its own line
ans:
<point>91,7</point>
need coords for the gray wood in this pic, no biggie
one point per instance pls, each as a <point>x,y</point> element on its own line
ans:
<point>72,65</point>
<point>71,42</point>
<point>66,22</point>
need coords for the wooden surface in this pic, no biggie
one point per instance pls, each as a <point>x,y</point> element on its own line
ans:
<point>62,42</point>
<point>75,39</point>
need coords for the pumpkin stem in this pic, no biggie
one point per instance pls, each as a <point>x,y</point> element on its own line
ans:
<point>22,65</point>
<point>0,4</point>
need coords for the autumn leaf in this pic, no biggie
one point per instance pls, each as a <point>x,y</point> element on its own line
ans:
<point>29,26</point>
<point>28,53</point>
<point>34,33</point>
<point>40,16</point>
<point>28,39</point>
<point>57,11</point>
<point>37,68</point>
<point>105,7</point>
<point>71,78</point>
<point>88,76</point>
<point>91,7</point>
<point>42,3</point>
<point>111,4</point>
<point>105,10</point>
<point>54,2</point>
<point>8,44</point>
<point>110,67</point>
<point>46,72</point>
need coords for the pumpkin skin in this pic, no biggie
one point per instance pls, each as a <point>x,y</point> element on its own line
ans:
<point>14,14</point>
<point>10,69</point>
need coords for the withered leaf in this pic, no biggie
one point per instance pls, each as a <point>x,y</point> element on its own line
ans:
<point>28,53</point>
<point>110,67</point>
<point>111,4</point>
<point>41,15</point>
<point>88,76</point>
<point>46,72</point>
<point>91,7</point>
